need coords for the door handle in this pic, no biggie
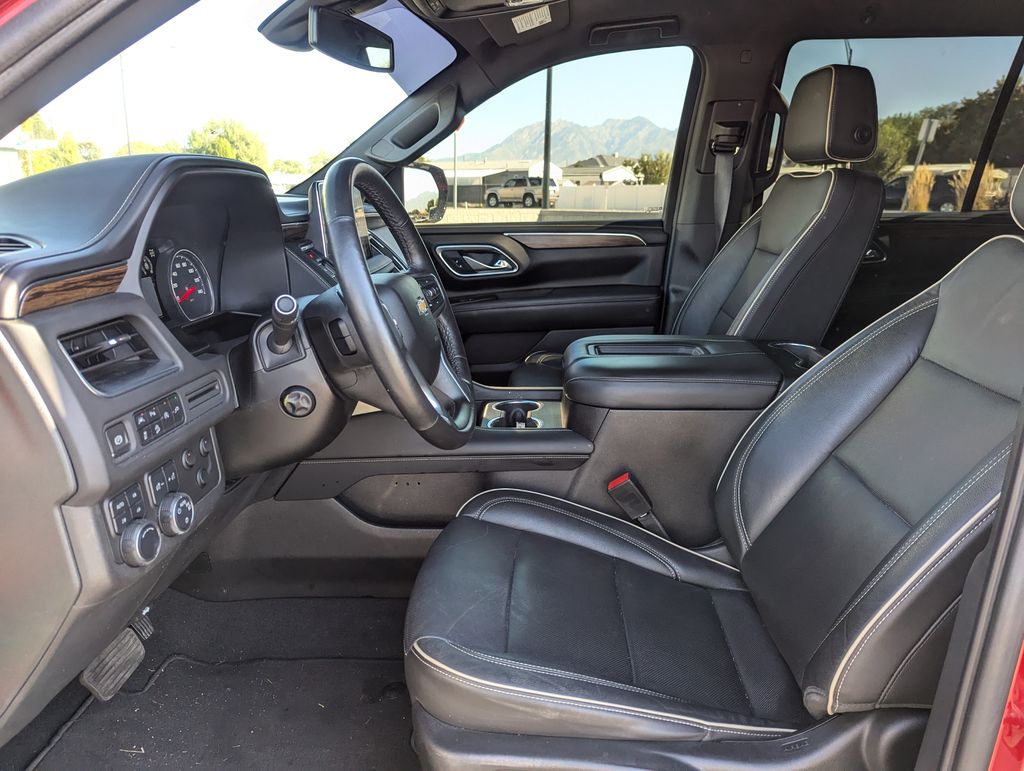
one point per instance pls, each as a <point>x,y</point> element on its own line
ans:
<point>476,260</point>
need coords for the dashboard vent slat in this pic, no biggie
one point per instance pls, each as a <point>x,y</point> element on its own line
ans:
<point>109,354</point>
<point>10,244</point>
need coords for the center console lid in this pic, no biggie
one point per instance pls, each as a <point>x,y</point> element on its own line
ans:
<point>669,372</point>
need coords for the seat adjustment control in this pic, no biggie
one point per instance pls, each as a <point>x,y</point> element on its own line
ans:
<point>177,514</point>
<point>140,543</point>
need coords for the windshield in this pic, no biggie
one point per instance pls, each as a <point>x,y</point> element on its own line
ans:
<point>208,82</point>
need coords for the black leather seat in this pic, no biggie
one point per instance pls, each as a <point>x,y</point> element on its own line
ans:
<point>784,273</point>
<point>852,509</point>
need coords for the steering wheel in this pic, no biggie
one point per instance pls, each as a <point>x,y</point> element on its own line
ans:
<point>404,323</point>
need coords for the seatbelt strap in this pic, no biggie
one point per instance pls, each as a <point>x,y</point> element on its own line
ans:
<point>637,506</point>
<point>723,191</point>
<point>725,143</point>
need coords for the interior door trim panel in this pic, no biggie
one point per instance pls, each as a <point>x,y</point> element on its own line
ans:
<point>560,240</point>
<point>569,308</point>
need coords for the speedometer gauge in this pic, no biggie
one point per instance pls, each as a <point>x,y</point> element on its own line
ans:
<point>190,285</point>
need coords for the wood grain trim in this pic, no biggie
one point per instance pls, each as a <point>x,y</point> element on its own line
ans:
<point>576,240</point>
<point>73,287</point>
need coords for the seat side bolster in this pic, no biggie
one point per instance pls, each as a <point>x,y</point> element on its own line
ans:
<point>465,686</point>
<point>582,526</point>
<point>895,611</point>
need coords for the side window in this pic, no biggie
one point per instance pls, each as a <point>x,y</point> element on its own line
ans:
<point>936,99</point>
<point>611,153</point>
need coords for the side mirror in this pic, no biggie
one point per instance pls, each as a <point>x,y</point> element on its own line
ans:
<point>426,192</point>
<point>349,40</point>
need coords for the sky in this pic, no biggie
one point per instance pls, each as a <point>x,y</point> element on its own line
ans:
<point>210,62</point>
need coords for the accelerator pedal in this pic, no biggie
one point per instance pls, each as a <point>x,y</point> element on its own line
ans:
<point>142,624</point>
<point>112,668</point>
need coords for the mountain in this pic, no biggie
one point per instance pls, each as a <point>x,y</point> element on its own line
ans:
<point>571,142</point>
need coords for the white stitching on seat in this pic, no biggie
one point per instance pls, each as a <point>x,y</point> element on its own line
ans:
<point>755,218</point>
<point>737,324</point>
<point>537,668</point>
<point>643,547</point>
<point>785,403</point>
<point>576,701</point>
<point>603,514</point>
<point>824,362</point>
<point>919,531</point>
<point>861,641</point>
<point>917,647</point>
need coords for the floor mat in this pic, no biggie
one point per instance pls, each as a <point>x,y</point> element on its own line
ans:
<point>305,628</point>
<point>267,714</point>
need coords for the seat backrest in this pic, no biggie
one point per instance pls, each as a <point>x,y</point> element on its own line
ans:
<point>857,501</point>
<point>785,271</point>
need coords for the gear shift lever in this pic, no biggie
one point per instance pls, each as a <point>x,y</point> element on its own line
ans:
<point>285,318</point>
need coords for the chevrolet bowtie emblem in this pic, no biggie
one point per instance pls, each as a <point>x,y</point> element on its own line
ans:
<point>421,306</point>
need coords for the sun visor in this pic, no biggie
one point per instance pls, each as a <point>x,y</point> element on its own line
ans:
<point>526,24</point>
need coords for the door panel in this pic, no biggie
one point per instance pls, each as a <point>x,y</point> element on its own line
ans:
<point>909,253</point>
<point>566,284</point>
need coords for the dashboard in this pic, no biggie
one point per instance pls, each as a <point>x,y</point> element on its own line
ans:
<point>125,321</point>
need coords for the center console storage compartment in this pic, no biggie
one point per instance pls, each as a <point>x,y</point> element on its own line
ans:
<point>661,372</point>
<point>668,410</point>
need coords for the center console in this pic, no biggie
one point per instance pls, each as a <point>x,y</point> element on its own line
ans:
<point>668,410</point>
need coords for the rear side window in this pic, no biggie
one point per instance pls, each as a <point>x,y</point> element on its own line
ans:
<point>614,126</point>
<point>938,109</point>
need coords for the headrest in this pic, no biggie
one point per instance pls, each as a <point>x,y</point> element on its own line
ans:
<point>833,116</point>
<point>1017,201</point>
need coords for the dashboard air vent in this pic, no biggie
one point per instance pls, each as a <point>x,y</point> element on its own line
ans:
<point>109,354</point>
<point>10,244</point>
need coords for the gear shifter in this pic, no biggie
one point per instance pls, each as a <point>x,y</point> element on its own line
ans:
<point>285,318</point>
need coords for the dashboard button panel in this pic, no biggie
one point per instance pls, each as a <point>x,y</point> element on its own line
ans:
<point>118,440</point>
<point>156,419</point>
<point>166,497</point>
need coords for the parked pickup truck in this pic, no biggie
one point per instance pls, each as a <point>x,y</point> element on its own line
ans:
<point>520,189</point>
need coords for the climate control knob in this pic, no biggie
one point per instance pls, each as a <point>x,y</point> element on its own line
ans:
<point>176,514</point>
<point>140,543</point>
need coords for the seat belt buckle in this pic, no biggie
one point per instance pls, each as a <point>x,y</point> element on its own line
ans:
<point>630,497</point>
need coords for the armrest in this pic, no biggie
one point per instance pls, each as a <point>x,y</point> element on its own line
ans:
<point>668,372</point>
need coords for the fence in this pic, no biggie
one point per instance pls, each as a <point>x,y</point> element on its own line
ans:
<point>645,198</point>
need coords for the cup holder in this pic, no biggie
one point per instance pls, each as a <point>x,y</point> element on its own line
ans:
<point>515,413</point>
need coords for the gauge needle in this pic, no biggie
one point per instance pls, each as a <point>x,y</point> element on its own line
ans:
<point>188,293</point>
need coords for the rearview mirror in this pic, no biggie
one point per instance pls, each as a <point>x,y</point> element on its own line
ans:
<point>349,40</point>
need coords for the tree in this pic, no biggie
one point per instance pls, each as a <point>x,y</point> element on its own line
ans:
<point>89,151</point>
<point>227,139</point>
<point>318,161</point>
<point>894,147</point>
<point>287,167</point>
<point>652,169</point>
<point>145,148</point>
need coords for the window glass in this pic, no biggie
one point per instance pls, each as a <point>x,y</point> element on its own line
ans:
<point>935,100</point>
<point>1007,155</point>
<point>611,153</point>
<point>208,82</point>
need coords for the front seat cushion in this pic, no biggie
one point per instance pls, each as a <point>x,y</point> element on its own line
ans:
<point>535,615</point>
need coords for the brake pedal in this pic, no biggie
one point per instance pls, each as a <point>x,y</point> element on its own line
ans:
<point>112,668</point>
